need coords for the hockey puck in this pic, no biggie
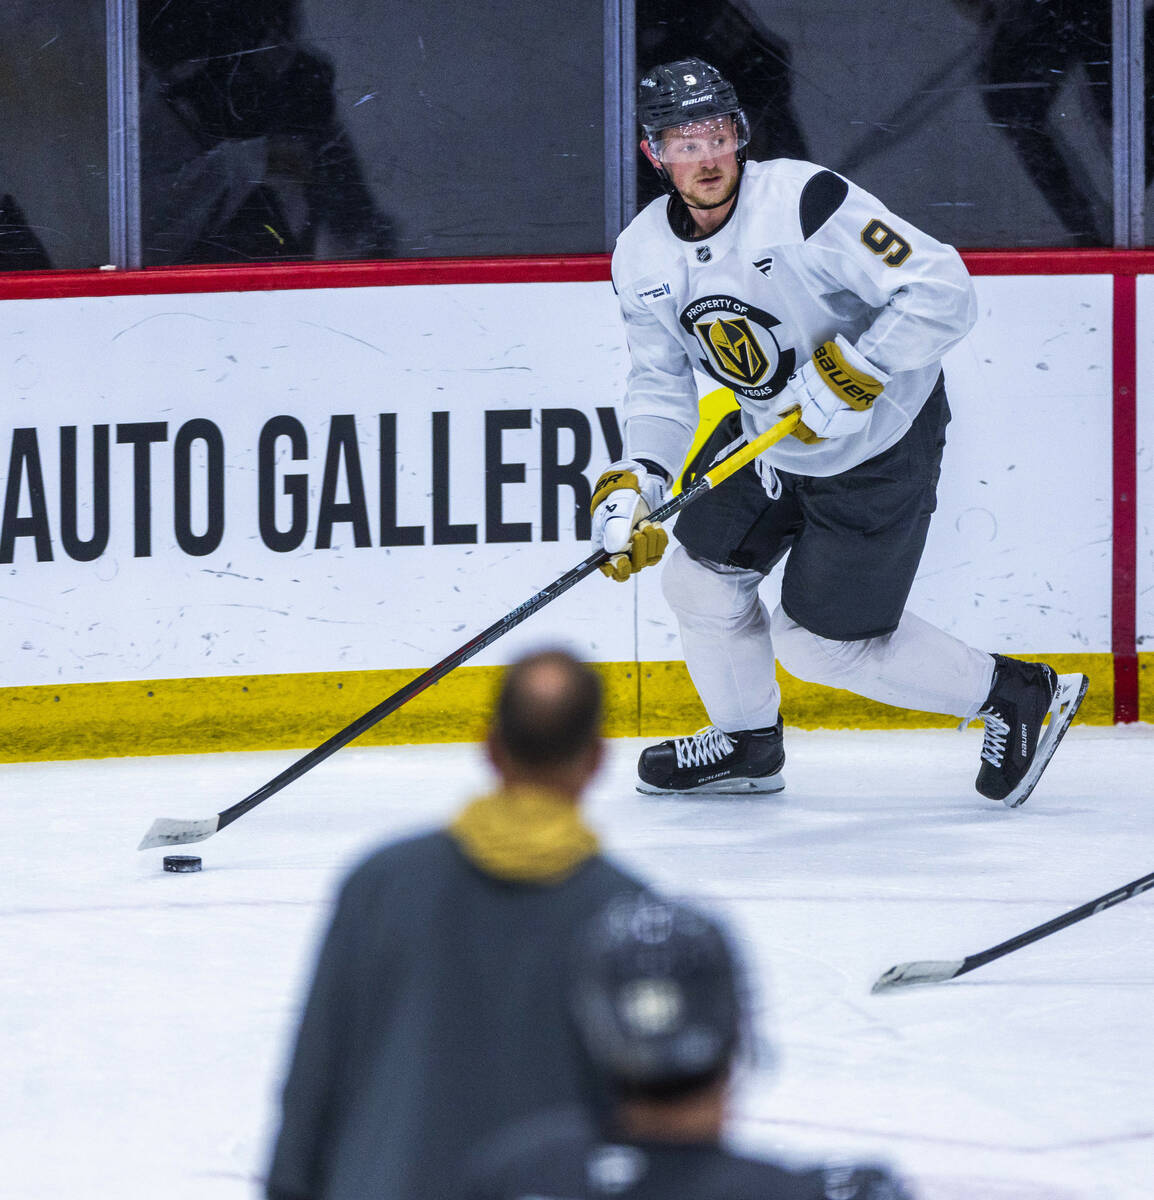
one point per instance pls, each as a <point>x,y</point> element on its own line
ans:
<point>181,862</point>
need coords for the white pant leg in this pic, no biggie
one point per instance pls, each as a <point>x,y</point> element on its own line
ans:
<point>917,666</point>
<point>725,639</point>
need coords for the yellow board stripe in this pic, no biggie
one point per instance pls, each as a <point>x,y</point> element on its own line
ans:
<point>281,712</point>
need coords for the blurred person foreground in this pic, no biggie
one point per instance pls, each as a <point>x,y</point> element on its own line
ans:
<point>439,1008</point>
<point>661,1003</point>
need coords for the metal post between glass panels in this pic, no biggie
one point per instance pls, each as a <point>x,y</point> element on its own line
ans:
<point>620,164</point>
<point>123,135</point>
<point>1129,116</point>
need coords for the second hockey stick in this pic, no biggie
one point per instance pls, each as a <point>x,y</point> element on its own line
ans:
<point>905,974</point>
<point>166,831</point>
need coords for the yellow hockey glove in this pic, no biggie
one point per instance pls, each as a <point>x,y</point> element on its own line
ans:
<point>623,498</point>
<point>835,391</point>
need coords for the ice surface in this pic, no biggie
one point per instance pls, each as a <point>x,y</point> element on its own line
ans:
<point>145,1016</point>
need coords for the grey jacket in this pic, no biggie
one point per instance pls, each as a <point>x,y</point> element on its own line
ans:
<point>437,1014</point>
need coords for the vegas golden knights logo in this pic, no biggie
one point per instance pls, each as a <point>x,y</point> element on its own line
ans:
<point>735,349</point>
<point>737,345</point>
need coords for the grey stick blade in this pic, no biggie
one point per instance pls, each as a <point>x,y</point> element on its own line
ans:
<point>905,974</point>
<point>167,832</point>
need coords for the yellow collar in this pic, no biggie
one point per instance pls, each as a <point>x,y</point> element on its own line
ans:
<point>524,834</point>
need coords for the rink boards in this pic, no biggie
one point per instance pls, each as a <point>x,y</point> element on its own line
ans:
<point>240,519</point>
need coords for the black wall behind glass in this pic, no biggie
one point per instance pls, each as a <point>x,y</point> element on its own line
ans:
<point>305,128</point>
<point>986,122</point>
<point>321,129</point>
<point>53,135</point>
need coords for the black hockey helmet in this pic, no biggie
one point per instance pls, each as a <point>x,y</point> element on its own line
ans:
<point>659,996</point>
<point>676,93</point>
<point>686,93</point>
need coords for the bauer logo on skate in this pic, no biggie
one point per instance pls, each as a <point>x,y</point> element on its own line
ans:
<point>740,348</point>
<point>139,488</point>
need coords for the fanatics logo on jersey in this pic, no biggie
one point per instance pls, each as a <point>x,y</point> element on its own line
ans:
<point>764,265</point>
<point>740,350</point>
<point>704,254</point>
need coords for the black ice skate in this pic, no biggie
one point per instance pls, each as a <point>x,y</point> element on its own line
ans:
<point>715,762</point>
<point>1018,742</point>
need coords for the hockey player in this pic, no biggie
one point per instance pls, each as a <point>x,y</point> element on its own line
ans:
<point>800,291</point>
<point>660,1006</point>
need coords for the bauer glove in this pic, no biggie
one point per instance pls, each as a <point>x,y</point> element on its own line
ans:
<point>835,391</point>
<point>623,498</point>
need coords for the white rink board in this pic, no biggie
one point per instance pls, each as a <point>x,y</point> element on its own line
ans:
<point>240,359</point>
<point>1013,562</point>
<point>1018,557</point>
<point>1019,553</point>
<point>1145,490</point>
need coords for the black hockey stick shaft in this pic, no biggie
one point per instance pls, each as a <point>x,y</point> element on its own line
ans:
<point>486,637</point>
<point>413,688</point>
<point>1126,892</point>
<point>938,971</point>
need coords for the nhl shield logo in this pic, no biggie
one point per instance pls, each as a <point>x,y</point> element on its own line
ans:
<point>704,254</point>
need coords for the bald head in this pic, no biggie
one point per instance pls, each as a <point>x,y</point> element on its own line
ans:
<point>548,710</point>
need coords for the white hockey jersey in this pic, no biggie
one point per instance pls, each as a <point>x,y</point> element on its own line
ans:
<point>803,256</point>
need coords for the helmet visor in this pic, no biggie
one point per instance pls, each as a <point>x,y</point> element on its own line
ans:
<point>712,137</point>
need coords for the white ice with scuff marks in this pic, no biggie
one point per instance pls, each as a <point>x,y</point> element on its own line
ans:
<point>145,1016</point>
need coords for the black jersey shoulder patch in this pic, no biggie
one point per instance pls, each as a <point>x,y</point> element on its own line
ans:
<point>820,199</point>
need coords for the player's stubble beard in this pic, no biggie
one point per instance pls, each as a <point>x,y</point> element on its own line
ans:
<point>706,199</point>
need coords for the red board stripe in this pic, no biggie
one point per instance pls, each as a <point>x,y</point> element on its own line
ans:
<point>561,268</point>
<point>40,285</point>
<point>1059,262</point>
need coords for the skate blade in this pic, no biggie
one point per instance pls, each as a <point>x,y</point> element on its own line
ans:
<point>1067,700</point>
<point>760,785</point>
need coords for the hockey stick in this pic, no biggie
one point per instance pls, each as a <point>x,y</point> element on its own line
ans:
<point>905,974</point>
<point>166,831</point>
